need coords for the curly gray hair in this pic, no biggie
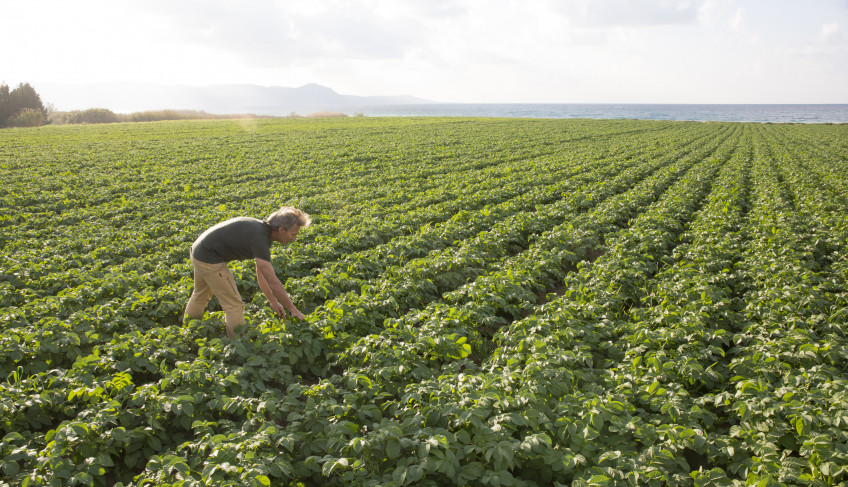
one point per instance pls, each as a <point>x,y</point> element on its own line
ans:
<point>288,217</point>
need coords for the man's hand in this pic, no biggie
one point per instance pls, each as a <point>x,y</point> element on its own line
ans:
<point>279,309</point>
<point>274,290</point>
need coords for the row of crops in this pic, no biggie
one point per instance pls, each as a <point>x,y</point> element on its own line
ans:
<point>489,303</point>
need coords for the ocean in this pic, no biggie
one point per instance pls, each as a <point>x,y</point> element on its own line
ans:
<point>704,113</point>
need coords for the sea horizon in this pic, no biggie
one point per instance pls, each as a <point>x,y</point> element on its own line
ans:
<point>702,112</point>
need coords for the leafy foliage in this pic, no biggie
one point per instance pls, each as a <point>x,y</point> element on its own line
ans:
<point>21,107</point>
<point>490,302</point>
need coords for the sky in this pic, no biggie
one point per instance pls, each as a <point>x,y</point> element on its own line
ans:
<point>452,51</point>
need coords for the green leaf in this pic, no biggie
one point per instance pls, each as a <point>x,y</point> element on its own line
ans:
<point>131,459</point>
<point>182,469</point>
<point>331,465</point>
<point>104,460</point>
<point>13,436</point>
<point>415,473</point>
<point>399,475</point>
<point>393,448</point>
<point>800,425</point>
<point>11,468</point>
<point>80,429</point>
<point>155,443</point>
<point>348,427</point>
<point>82,478</point>
<point>653,387</point>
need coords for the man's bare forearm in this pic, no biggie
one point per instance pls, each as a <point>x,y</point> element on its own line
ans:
<point>286,301</point>
<point>266,289</point>
<point>273,288</point>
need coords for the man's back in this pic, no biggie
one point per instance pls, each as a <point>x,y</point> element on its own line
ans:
<point>235,239</point>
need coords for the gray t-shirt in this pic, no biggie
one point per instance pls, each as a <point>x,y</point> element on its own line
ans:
<point>235,239</point>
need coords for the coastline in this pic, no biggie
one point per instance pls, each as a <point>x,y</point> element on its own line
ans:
<point>764,113</point>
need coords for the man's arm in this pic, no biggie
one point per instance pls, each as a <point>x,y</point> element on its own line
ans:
<point>273,289</point>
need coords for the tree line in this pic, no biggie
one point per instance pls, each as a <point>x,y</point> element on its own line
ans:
<point>21,107</point>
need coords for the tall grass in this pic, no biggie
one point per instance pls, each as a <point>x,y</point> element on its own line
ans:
<point>103,115</point>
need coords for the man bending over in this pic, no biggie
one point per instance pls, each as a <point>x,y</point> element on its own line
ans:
<point>240,239</point>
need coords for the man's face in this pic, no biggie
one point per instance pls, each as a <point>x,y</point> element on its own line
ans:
<point>287,236</point>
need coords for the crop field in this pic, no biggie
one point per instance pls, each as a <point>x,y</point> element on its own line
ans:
<point>489,302</point>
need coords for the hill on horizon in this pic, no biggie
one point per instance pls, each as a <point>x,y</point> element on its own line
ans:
<point>223,99</point>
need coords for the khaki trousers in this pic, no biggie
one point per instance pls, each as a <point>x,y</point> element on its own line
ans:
<point>215,279</point>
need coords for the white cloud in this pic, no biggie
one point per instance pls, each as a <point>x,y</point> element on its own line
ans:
<point>285,33</point>
<point>719,15</point>
<point>829,32</point>
<point>606,13</point>
<point>737,23</point>
<point>450,50</point>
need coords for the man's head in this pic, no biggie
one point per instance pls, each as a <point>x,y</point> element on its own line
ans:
<point>286,222</point>
<point>288,217</point>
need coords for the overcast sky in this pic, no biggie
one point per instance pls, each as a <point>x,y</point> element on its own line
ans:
<point>500,51</point>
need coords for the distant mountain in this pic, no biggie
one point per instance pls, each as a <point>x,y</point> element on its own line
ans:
<point>222,99</point>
